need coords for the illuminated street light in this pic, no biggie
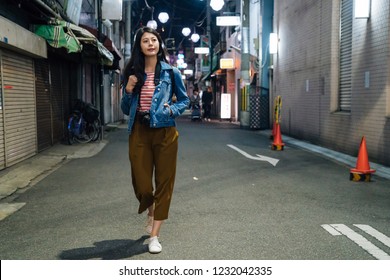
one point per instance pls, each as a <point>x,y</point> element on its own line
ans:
<point>186,31</point>
<point>152,24</point>
<point>163,17</point>
<point>217,5</point>
<point>195,37</point>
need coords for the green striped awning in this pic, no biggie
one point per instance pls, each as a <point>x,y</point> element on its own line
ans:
<point>56,37</point>
<point>75,39</point>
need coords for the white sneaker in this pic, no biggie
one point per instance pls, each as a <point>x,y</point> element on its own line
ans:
<point>149,224</point>
<point>154,246</point>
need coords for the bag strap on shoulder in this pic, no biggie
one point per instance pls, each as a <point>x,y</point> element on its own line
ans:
<point>157,77</point>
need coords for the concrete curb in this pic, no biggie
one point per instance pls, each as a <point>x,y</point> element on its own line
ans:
<point>381,170</point>
<point>22,175</point>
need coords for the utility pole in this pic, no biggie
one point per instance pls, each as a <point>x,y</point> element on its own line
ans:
<point>128,30</point>
<point>245,66</point>
<point>208,32</point>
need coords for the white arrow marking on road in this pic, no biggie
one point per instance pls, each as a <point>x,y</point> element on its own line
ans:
<point>359,239</point>
<point>272,161</point>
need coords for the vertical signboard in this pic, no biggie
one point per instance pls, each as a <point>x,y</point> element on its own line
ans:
<point>225,106</point>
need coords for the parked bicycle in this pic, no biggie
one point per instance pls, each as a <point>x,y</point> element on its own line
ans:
<point>84,123</point>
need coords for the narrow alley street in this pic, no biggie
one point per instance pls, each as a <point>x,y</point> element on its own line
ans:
<point>301,206</point>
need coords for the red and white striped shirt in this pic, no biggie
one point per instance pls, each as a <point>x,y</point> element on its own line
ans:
<point>147,92</point>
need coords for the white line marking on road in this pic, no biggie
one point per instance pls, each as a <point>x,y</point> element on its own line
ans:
<point>331,230</point>
<point>373,232</point>
<point>361,241</point>
<point>272,161</point>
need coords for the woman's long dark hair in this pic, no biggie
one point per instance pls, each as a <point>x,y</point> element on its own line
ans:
<point>136,64</point>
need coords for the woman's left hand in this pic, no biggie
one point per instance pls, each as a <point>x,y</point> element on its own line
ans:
<point>167,105</point>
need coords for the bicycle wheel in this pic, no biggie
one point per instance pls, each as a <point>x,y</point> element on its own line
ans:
<point>97,128</point>
<point>86,134</point>
<point>71,127</point>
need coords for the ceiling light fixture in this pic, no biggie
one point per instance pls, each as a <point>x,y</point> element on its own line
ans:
<point>186,31</point>
<point>217,5</point>
<point>163,17</point>
<point>151,23</point>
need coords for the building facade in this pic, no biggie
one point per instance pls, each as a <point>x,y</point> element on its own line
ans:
<point>51,54</point>
<point>332,73</point>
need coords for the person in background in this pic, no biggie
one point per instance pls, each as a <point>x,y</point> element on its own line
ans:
<point>207,99</point>
<point>153,138</point>
<point>195,99</point>
<point>195,106</point>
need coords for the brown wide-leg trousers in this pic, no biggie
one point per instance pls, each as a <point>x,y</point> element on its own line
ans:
<point>153,149</point>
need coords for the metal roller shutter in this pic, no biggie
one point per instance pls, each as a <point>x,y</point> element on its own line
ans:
<point>2,136</point>
<point>19,115</point>
<point>42,85</point>
<point>345,89</point>
<point>60,95</point>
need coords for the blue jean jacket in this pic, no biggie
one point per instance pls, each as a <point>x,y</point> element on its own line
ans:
<point>159,115</point>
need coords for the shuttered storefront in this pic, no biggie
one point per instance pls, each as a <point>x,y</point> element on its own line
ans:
<point>117,114</point>
<point>53,91</point>
<point>44,123</point>
<point>2,137</point>
<point>18,109</point>
<point>60,95</point>
<point>345,90</point>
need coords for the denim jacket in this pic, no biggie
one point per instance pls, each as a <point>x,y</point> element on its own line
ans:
<point>159,115</point>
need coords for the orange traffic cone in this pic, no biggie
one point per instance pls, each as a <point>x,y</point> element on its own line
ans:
<point>362,172</point>
<point>277,144</point>
<point>272,136</point>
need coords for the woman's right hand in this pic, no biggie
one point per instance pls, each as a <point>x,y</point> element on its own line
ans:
<point>131,82</point>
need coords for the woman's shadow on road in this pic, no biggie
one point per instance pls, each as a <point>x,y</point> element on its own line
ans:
<point>108,250</point>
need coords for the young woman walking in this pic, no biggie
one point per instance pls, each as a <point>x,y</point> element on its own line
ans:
<point>149,84</point>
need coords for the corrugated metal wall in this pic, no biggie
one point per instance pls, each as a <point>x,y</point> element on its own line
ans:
<point>59,88</point>
<point>2,137</point>
<point>19,116</point>
<point>44,112</point>
<point>53,91</point>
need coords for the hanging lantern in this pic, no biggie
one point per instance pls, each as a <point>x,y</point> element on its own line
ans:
<point>163,17</point>
<point>186,31</point>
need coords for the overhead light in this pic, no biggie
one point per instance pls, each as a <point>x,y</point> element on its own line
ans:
<point>152,24</point>
<point>195,37</point>
<point>362,8</point>
<point>217,5</point>
<point>202,50</point>
<point>186,31</point>
<point>163,17</point>
<point>228,21</point>
<point>273,43</point>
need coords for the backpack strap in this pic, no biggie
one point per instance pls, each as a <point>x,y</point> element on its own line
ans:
<point>157,77</point>
<point>171,74</point>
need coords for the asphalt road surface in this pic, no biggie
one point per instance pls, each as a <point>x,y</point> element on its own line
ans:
<point>227,205</point>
